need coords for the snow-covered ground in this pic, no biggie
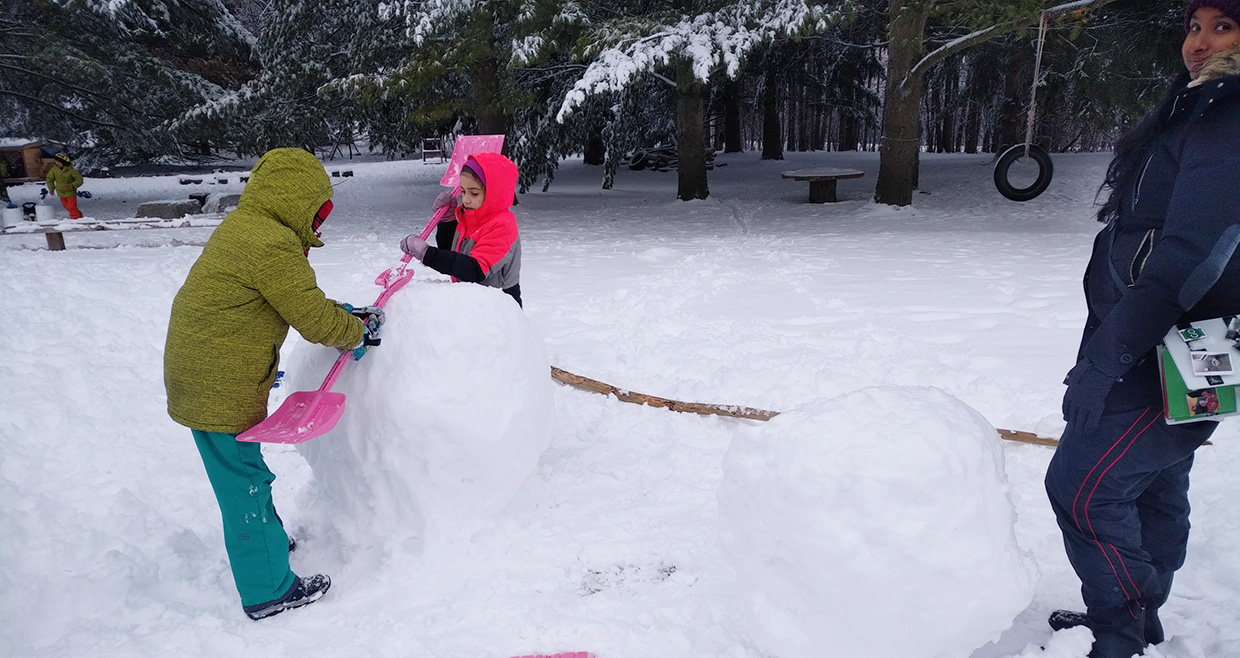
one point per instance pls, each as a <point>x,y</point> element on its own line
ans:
<point>628,539</point>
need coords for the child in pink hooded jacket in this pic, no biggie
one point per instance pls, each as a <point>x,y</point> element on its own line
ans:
<point>479,241</point>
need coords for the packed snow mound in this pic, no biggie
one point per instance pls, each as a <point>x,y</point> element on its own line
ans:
<point>445,419</point>
<point>878,523</point>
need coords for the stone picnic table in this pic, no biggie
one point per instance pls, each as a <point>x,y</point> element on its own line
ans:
<point>822,181</point>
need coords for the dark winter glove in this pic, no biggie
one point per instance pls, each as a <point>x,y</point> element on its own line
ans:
<point>444,199</point>
<point>83,194</point>
<point>1086,396</point>
<point>359,350</point>
<point>372,318</point>
<point>414,246</point>
<point>43,193</point>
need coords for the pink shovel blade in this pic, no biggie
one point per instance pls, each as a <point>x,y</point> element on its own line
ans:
<point>467,145</point>
<point>303,416</point>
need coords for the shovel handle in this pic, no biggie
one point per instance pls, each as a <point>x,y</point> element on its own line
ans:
<point>437,217</point>
<point>389,278</point>
<point>345,357</point>
<point>390,285</point>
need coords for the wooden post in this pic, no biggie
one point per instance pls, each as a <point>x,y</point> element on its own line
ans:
<point>55,241</point>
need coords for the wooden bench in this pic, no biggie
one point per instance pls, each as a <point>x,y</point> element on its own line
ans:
<point>55,230</point>
<point>822,181</point>
<point>432,147</point>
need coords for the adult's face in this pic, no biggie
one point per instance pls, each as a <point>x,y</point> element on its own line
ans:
<point>1210,31</point>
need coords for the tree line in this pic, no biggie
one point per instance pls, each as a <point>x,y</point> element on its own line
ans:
<point>130,81</point>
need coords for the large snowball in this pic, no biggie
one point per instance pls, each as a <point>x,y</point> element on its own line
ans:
<point>878,524</point>
<point>444,420</point>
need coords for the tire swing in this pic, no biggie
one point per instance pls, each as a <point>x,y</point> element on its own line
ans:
<point>1027,150</point>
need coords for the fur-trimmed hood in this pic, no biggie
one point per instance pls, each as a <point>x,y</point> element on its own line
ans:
<point>1220,65</point>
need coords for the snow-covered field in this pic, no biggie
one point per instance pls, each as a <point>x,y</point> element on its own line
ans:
<point>638,532</point>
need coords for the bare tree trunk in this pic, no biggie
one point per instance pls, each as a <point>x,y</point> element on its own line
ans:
<point>947,109</point>
<point>1018,74</point>
<point>732,142</point>
<point>772,140</point>
<point>488,104</point>
<point>691,138</point>
<point>790,115</point>
<point>596,150</point>
<point>898,159</point>
<point>972,125</point>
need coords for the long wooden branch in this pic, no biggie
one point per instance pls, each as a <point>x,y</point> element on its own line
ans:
<point>585,383</point>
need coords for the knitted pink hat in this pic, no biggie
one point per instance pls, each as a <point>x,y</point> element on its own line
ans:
<point>1231,8</point>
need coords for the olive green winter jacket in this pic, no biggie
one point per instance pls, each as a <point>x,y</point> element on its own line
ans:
<point>250,284</point>
<point>64,181</point>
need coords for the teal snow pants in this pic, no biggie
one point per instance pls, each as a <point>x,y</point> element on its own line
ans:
<point>253,535</point>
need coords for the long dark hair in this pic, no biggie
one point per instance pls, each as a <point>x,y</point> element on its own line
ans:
<point>1130,150</point>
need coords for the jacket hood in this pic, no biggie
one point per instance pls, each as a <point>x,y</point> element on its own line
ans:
<point>1220,65</point>
<point>289,185</point>
<point>501,188</point>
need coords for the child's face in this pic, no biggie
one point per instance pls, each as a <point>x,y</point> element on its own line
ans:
<point>472,192</point>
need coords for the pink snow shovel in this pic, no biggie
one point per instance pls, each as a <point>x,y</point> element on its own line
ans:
<point>466,145</point>
<point>307,414</point>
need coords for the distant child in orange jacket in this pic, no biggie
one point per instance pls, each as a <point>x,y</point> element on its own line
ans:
<point>479,242</point>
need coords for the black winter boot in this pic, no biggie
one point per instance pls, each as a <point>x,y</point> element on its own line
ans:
<point>1061,619</point>
<point>303,592</point>
<point>1121,638</point>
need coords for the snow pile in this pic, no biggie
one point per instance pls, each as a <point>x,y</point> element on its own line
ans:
<point>445,419</point>
<point>879,523</point>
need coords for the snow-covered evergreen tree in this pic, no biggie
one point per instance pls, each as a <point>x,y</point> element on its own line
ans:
<point>686,46</point>
<point>109,77</point>
<point>304,46</point>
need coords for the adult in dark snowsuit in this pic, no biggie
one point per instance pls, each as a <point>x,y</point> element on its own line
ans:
<point>251,283</point>
<point>1118,482</point>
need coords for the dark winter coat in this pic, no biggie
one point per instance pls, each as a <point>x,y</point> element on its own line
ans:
<point>1170,254</point>
<point>250,284</point>
<point>486,246</point>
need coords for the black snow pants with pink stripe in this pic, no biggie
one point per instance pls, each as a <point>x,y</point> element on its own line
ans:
<point>1120,495</point>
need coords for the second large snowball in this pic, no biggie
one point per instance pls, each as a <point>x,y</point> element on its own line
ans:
<point>878,523</point>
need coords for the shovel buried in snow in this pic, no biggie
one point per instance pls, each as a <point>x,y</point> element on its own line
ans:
<point>307,414</point>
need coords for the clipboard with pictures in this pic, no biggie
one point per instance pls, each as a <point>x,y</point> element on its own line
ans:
<point>1200,367</point>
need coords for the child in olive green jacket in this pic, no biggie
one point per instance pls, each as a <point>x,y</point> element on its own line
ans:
<point>251,283</point>
<point>63,181</point>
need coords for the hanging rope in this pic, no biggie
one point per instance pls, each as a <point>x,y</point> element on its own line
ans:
<point>1033,94</point>
<point>594,385</point>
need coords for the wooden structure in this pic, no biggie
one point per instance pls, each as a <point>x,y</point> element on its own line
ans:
<point>432,147</point>
<point>822,181</point>
<point>54,231</point>
<point>28,162</point>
